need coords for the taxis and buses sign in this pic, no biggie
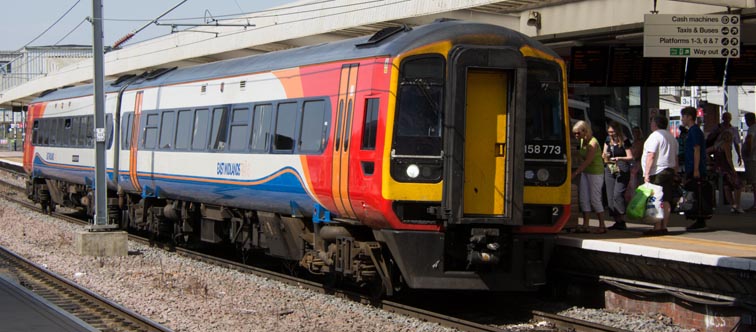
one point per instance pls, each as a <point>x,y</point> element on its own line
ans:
<point>693,36</point>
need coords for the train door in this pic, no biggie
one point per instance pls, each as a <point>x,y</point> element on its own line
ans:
<point>484,137</point>
<point>342,144</point>
<point>485,143</point>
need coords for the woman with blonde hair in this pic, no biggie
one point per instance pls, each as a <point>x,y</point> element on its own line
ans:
<point>591,172</point>
<point>722,151</point>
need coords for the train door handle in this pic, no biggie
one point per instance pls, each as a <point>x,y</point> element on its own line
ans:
<point>500,149</point>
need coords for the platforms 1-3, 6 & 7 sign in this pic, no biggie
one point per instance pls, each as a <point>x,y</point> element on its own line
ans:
<point>695,36</point>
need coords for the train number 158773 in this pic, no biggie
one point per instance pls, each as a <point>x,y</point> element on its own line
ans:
<point>543,149</point>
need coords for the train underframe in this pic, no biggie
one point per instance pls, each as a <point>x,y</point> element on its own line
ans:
<point>463,257</point>
<point>339,252</point>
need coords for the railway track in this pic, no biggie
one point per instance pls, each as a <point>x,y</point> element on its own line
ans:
<point>93,309</point>
<point>556,323</point>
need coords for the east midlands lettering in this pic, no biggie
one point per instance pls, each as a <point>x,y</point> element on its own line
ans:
<point>232,169</point>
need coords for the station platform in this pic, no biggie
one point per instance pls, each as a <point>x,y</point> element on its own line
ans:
<point>22,310</point>
<point>12,160</point>
<point>729,240</point>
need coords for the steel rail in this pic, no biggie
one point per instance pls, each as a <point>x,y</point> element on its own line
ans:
<point>88,306</point>
<point>574,324</point>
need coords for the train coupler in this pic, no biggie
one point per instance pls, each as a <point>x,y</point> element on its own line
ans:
<point>484,248</point>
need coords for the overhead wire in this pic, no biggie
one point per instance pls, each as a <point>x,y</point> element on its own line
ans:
<point>229,34</point>
<point>54,23</point>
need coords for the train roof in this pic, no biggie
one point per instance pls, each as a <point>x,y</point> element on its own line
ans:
<point>458,32</point>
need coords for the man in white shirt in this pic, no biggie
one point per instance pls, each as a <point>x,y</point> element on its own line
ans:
<point>659,163</point>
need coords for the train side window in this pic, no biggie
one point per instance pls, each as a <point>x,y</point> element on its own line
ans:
<point>286,120</point>
<point>66,137</point>
<point>44,129</point>
<point>35,132</point>
<point>184,129</point>
<point>219,129</point>
<point>237,141</point>
<point>314,124</point>
<point>108,130</point>
<point>126,125</point>
<point>166,130</point>
<point>83,131</point>
<point>52,129</point>
<point>75,130</point>
<point>370,124</point>
<point>89,134</point>
<point>150,137</point>
<point>201,128</point>
<point>258,141</point>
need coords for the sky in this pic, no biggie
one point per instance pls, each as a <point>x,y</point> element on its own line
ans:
<point>29,18</point>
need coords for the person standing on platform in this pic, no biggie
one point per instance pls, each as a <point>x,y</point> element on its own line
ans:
<point>694,158</point>
<point>591,172</point>
<point>733,187</point>
<point>749,155</point>
<point>617,157</point>
<point>659,164</point>
<point>725,125</point>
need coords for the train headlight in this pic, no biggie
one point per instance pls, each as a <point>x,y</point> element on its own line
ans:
<point>543,175</point>
<point>529,175</point>
<point>413,171</point>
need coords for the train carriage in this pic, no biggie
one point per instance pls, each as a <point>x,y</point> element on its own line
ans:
<point>433,157</point>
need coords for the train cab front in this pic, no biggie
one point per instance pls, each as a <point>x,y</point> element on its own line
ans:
<point>455,171</point>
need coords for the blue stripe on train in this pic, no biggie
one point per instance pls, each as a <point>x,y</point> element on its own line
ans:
<point>283,193</point>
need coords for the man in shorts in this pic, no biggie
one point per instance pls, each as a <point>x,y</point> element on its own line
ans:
<point>659,164</point>
<point>749,154</point>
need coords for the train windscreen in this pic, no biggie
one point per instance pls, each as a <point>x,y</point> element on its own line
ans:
<point>419,114</point>
<point>544,118</point>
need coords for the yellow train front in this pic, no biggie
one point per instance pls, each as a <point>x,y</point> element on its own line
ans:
<point>475,161</point>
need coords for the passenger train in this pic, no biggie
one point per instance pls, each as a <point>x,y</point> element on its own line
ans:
<point>431,157</point>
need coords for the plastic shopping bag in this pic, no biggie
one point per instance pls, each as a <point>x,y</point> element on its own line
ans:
<point>637,206</point>
<point>654,206</point>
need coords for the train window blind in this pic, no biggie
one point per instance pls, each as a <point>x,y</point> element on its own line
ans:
<point>166,130</point>
<point>184,129</point>
<point>219,129</point>
<point>370,124</point>
<point>201,128</point>
<point>286,120</point>
<point>312,137</point>
<point>260,137</point>
<point>237,140</point>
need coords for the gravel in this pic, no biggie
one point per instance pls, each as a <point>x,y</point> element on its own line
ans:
<point>649,322</point>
